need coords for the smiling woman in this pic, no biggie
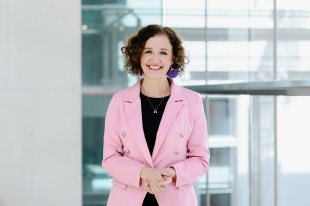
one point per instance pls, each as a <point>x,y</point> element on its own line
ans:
<point>137,44</point>
<point>155,130</point>
<point>156,57</point>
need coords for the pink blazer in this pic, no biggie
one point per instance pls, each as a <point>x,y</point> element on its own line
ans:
<point>181,142</point>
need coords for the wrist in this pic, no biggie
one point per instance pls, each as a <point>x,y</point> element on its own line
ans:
<point>142,173</point>
<point>173,172</point>
<point>174,175</point>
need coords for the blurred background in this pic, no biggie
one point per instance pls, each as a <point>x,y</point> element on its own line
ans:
<point>60,63</point>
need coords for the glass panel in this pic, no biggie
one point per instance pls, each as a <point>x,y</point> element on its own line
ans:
<point>91,64</point>
<point>261,57</point>
<point>220,199</point>
<point>293,151</point>
<point>228,40</point>
<point>222,169</point>
<point>105,26</point>
<point>228,175</point>
<point>220,177</point>
<point>293,40</point>
<point>96,182</point>
<point>293,14</point>
<point>195,71</point>
<point>262,164</point>
<point>261,65</point>
<point>147,11</point>
<point>184,14</point>
<point>221,119</point>
<point>294,58</point>
<point>236,64</point>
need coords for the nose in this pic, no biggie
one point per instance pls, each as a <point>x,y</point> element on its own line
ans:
<point>155,58</point>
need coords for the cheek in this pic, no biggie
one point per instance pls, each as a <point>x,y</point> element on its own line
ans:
<point>170,60</point>
<point>143,59</point>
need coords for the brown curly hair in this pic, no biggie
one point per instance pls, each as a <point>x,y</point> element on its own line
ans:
<point>136,43</point>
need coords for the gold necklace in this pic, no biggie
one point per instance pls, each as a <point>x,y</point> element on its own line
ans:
<point>155,109</point>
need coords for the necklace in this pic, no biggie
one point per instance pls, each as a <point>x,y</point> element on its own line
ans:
<point>155,109</point>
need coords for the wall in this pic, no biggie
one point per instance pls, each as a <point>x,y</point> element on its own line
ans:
<point>40,103</point>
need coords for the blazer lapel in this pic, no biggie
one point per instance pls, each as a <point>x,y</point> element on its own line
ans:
<point>132,105</point>
<point>174,105</point>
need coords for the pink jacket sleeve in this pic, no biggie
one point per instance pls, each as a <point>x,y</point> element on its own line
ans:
<point>189,170</point>
<point>113,160</point>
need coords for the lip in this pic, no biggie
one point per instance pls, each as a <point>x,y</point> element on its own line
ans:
<point>154,68</point>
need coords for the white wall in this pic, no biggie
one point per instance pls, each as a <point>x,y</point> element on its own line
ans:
<point>40,103</point>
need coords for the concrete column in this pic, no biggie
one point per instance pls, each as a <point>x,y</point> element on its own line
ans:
<point>40,103</point>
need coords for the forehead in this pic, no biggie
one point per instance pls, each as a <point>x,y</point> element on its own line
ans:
<point>158,41</point>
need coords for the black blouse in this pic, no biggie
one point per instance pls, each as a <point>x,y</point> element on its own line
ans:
<point>151,121</point>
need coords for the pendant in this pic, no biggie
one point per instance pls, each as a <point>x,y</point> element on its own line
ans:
<point>155,111</point>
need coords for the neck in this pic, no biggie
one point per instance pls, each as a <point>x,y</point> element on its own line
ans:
<point>155,89</point>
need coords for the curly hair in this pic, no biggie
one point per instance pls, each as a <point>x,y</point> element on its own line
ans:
<point>136,43</point>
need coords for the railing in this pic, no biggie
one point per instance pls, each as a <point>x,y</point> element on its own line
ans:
<point>288,88</point>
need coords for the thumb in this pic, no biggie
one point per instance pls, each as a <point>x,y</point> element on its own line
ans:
<point>167,180</point>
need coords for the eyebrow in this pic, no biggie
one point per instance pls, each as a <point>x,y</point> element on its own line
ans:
<point>160,49</point>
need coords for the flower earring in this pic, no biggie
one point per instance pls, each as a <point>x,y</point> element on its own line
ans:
<point>173,71</point>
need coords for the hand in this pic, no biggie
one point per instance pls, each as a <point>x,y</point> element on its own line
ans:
<point>153,180</point>
<point>167,181</point>
<point>169,172</point>
<point>146,185</point>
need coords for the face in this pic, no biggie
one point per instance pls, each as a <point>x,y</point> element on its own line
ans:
<point>156,57</point>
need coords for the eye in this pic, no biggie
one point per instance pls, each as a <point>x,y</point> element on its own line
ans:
<point>163,53</point>
<point>148,52</point>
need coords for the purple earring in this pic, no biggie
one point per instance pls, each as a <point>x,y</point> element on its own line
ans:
<point>173,72</point>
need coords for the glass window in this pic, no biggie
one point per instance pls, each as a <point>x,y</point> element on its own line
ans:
<point>294,40</point>
<point>182,13</point>
<point>221,117</point>
<point>258,143</point>
<point>96,181</point>
<point>293,150</point>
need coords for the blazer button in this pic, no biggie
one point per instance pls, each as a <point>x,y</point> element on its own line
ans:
<point>123,134</point>
<point>182,135</point>
<point>176,152</point>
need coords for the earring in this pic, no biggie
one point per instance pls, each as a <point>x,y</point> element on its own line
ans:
<point>173,72</point>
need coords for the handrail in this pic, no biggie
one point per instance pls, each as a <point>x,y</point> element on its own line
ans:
<point>286,88</point>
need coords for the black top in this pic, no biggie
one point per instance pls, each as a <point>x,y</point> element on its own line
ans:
<point>150,119</point>
<point>151,123</point>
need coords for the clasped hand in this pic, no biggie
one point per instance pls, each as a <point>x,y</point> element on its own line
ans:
<point>156,180</point>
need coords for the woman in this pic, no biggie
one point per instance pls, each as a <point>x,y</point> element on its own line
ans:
<point>155,139</point>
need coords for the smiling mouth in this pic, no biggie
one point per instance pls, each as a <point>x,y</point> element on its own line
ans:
<point>154,67</point>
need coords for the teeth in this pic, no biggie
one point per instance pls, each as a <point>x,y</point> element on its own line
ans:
<point>154,67</point>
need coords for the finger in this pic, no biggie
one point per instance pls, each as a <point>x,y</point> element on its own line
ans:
<point>155,189</point>
<point>165,184</point>
<point>149,190</point>
<point>166,172</point>
<point>167,181</point>
<point>145,184</point>
<point>161,186</point>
